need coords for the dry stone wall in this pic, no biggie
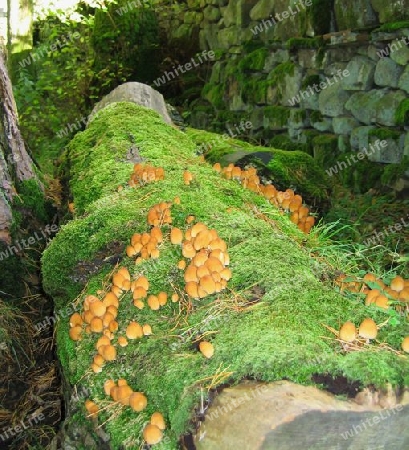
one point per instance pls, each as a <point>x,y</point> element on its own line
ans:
<point>328,76</point>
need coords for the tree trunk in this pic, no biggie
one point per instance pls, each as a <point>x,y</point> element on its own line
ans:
<point>15,163</point>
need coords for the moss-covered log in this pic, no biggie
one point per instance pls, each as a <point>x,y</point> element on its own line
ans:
<point>269,322</point>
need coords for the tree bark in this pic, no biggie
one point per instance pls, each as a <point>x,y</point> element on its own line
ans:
<point>16,164</point>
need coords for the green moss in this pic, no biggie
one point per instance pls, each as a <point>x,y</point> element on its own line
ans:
<point>278,114</point>
<point>385,133</point>
<point>392,172</point>
<point>166,366</point>
<point>214,93</point>
<point>402,113</point>
<point>325,149</point>
<point>392,26</point>
<point>295,43</point>
<point>283,142</point>
<point>316,116</point>
<point>255,60</point>
<point>32,197</point>
<point>250,46</point>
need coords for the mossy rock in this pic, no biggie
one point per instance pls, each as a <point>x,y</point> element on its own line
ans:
<point>268,325</point>
<point>286,168</point>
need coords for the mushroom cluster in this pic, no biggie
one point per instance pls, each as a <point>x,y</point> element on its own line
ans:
<point>152,433</point>
<point>376,291</point>
<point>160,214</point>
<point>144,173</point>
<point>287,200</point>
<point>349,334</point>
<point>207,272</point>
<point>145,245</point>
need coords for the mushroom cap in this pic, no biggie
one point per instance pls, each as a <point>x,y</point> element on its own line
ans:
<point>188,251</point>
<point>158,420</point>
<point>139,304</point>
<point>87,316</point>
<point>122,341</point>
<point>214,264</point>
<point>96,368</point>
<point>116,290</point>
<point>135,239</point>
<point>200,258</point>
<point>175,297</point>
<point>202,271</point>
<point>404,295</point>
<point>190,273</point>
<point>108,352</point>
<point>99,360</point>
<point>112,310</point>
<point>217,167</point>
<point>123,394</point>
<point>118,280</point>
<point>162,298</point>
<point>134,331</point>
<point>76,320</point>
<point>97,308</point>
<point>96,325</point>
<point>371,296</point>
<point>91,407</point>
<point>156,232</point>
<point>206,349</point>
<point>103,340</point>
<point>139,293</point>
<point>207,284</point>
<point>398,284</point>
<point>107,319</point>
<point>197,228</point>
<point>142,281</point>
<point>153,302</point>
<point>191,289</point>
<point>108,385</point>
<point>113,326</point>
<point>347,332</point>
<point>138,401</point>
<point>190,219</point>
<point>405,344</point>
<point>75,333</point>
<point>176,236</point>
<point>369,277</point>
<point>382,301</point>
<point>152,434</point>
<point>176,200</point>
<point>368,329</point>
<point>88,300</point>
<point>110,299</point>
<point>147,329</point>
<point>125,273</point>
<point>182,264</point>
<point>225,274</point>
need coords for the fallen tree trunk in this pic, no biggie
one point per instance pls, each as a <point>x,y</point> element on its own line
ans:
<point>267,322</point>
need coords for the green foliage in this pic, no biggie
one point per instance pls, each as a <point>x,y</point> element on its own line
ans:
<point>402,113</point>
<point>392,26</point>
<point>392,172</point>
<point>255,60</point>
<point>214,93</point>
<point>385,133</point>
<point>57,85</point>
<point>126,44</point>
<point>278,114</point>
